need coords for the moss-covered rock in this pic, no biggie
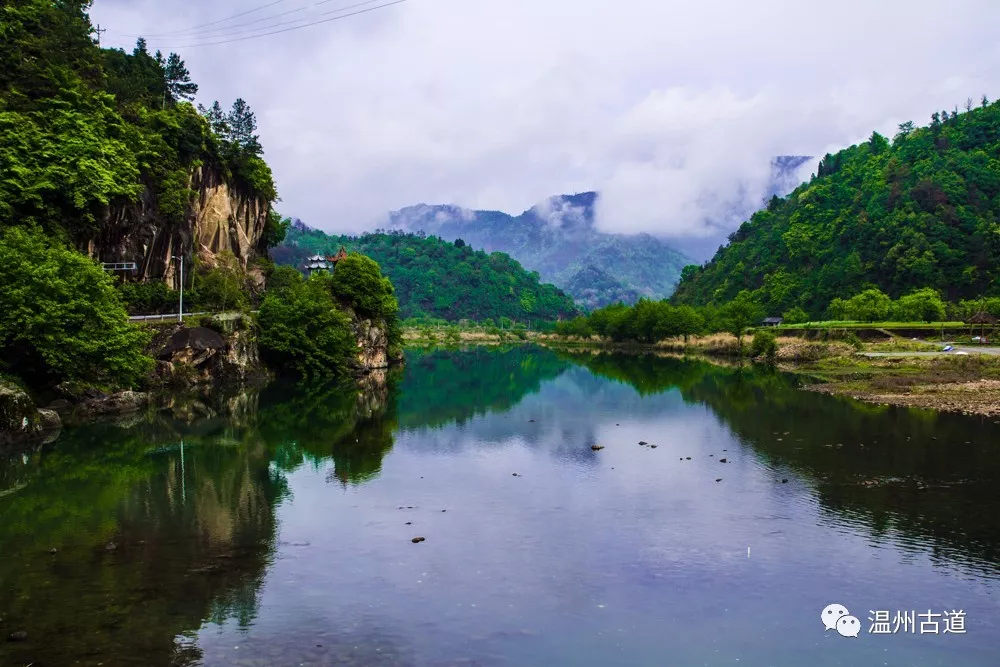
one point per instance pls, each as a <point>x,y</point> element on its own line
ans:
<point>20,419</point>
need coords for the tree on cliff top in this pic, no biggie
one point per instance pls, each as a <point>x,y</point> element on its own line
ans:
<point>62,317</point>
<point>302,331</point>
<point>358,282</point>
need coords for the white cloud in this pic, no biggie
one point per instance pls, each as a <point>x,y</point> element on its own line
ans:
<point>672,110</point>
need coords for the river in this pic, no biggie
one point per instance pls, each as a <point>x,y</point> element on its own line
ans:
<point>276,527</point>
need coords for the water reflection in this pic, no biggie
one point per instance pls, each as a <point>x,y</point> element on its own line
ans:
<point>166,526</point>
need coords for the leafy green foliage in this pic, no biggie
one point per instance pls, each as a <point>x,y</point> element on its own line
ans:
<point>764,344</point>
<point>440,279</point>
<point>741,313</point>
<point>276,229</point>
<point>358,282</point>
<point>922,211</point>
<point>84,128</point>
<point>870,305</point>
<point>223,287</point>
<point>302,331</point>
<point>922,305</point>
<point>795,315</point>
<point>62,318</point>
<point>646,322</point>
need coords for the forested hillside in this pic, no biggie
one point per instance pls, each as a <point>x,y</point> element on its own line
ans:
<point>435,278</point>
<point>921,211</point>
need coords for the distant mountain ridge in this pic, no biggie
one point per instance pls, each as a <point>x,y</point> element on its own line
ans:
<point>558,239</point>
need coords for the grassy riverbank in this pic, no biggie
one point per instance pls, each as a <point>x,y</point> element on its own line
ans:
<point>956,383</point>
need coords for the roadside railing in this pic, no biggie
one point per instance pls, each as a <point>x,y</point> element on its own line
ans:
<point>163,317</point>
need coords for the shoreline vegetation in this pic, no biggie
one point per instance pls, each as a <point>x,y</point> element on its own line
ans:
<point>832,360</point>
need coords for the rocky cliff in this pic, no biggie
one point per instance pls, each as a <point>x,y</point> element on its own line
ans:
<point>224,351</point>
<point>219,218</point>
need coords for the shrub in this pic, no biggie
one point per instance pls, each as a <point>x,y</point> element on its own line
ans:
<point>62,317</point>
<point>224,286</point>
<point>795,315</point>
<point>764,344</point>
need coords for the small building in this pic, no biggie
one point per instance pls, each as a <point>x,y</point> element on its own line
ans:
<point>982,317</point>
<point>772,321</point>
<point>317,263</point>
<point>341,254</point>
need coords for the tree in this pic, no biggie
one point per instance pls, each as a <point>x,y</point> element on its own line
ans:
<point>871,305</point>
<point>275,229</point>
<point>282,277</point>
<point>740,314</point>
<point>923,305</point>
<point>62,318</point>
<point>223,287</point>
<point>358,283</point>
<point>795,315</point>
<point>459,243</point>
<point>178,79</point>
<point>217,120</point>
<point>302,332</point>
<point>243,127</point>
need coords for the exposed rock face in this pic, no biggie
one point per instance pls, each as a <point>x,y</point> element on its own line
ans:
<point>373,344</point>
<point>21,420</point>
<point>219,219</point>
<point>225,351</point>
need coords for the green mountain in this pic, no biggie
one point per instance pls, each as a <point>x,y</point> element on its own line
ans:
<point>558,239</point>
<point>435,278</point>
<point>920,211</point>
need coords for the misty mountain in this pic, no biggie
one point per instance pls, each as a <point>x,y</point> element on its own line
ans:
<point>558,239</point>
<point>786,175</point>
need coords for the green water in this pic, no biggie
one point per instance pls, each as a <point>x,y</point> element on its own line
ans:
<point>274,527</point>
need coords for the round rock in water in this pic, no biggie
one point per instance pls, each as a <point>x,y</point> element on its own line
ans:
<point>418,540</point>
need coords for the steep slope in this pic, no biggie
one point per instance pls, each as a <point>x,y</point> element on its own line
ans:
<point>558,240</point>
<point>921,211</point>
<point>102,149</point>
<point>440,279</point>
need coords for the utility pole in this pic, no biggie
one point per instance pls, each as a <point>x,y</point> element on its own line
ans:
<point>100,31</point>
<point>180,308</point>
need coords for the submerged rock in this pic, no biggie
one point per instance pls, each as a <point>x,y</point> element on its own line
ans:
<point>19,636</point>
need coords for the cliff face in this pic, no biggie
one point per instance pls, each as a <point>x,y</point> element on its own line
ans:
<point>220,218</point>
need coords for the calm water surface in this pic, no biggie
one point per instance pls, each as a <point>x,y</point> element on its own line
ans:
<point>274,528</point>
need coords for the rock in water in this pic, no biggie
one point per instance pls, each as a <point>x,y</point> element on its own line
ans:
<point>418,540</point>
<point>643,442</point>
<point>19,636</point>
<point>597,448</point>
<point>719,479</point>
<point>723,460</point>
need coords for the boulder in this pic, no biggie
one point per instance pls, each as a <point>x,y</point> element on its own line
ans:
<point>20,419</point>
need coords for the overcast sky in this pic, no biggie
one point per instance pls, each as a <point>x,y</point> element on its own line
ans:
<point>672,110</point>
